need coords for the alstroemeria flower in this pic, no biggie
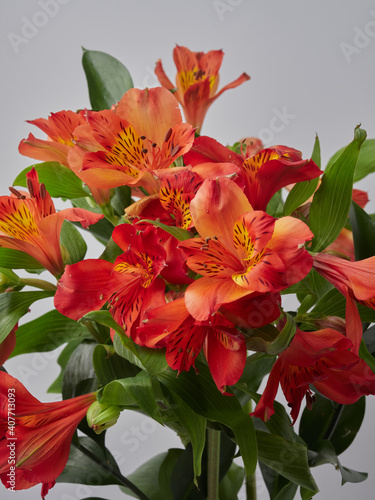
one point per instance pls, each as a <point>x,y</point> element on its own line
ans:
<point>144,134</point>
<point>324,359</point>
<point>262,174</point>
<point>197,81</point>
<point>130,284</point>
<point>30,223</point>
<point>172,326</point>
<point>41,434</point>
<point>239,251</point>
<point>60,128</point>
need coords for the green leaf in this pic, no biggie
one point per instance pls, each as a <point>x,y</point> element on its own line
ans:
<point>60,181</point>
<point>232,482</point>
<point>195,427</point>
<point>62,360</point>
<point>363,228</point>
<point>107,79</point>
<point>302,191</point>
<point>126,391</point>
<point>81,469</point>
<point>286,458</point>
<point>15,259</point>
<point>333,303</point>
<point>14,305</point>
<point>110,366</point>
<point>324,453</point>
<point>105,318</point>
<point>366,160</point>
<point>73,246</point>
<point>122,199</point>
<point>179,233</point>
<point>146,478</point>
<point>330,206</point>
<point>151,360</point>
<point>275,206</point>
<point>79,375</point>
<point>46,333</point>
<point>203,397</point>
<point>330,421</point>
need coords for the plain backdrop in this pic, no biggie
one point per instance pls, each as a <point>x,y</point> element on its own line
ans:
<point>311,62</point>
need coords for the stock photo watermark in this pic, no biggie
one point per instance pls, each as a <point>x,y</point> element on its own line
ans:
<point>279,121</point>
<point>30,26</point>
<point>362,38</point>
<point>223,7</point>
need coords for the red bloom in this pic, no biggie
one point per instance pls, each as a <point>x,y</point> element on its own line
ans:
<point>38,441</point>
<point>30,223</point>
<point>172,326</point>
<point>197,81</point>
<point>239,251</point>
<point>263,174</point>
<point>323,358</point>
<point>130,284</point>
<point>142,136</point>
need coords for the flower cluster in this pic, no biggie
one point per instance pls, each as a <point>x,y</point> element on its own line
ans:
<point>200,250</point>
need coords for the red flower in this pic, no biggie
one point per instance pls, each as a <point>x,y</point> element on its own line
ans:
<point>239,251</point>
<point>130,284</point>
<point>323,358</point>
<point>35,447</point>
<point>30,223</point>
<point>142,136</point>
<point>197,81</point>
<point>172,326</point>
<point>263,174</point>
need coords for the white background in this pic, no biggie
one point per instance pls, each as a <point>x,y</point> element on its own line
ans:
<point>313,60</point>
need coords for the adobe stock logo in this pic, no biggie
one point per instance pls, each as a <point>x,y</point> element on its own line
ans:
<point>361,39</point>
<point>31,26</point>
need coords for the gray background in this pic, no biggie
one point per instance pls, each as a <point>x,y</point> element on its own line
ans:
<point>313,60</point>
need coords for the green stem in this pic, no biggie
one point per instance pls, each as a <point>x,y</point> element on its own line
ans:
<point>251,485</point>
<point>94,332</point>
<point>109,214</point>
<point>42,284</point>
<point>115,473</point>
<point>213,451</point>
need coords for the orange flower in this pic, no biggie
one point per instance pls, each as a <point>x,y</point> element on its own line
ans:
<point>35,446</point>
<point>143,136</point>
<point>60,129</point>
<point>239,251</point>
<point>30,223</point>
<point>197,81</point>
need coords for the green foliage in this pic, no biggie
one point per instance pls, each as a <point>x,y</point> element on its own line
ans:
<point>107,79</point>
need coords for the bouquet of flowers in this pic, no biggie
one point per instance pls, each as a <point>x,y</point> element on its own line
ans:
<point>184,313</point>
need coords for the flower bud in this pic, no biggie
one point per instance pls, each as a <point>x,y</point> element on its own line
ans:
<point>100,416</point>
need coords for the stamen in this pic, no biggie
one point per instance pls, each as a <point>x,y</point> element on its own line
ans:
<point>42,191</point>
<point>16,193</point>
<point>168,135</point>
<point>175,150</point>
<point>30,187</point>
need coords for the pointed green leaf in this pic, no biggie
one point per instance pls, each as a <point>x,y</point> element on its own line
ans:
<point>107,79</point>
<point>330,206</point>
<point>15,259</point>
<point>179,233</point>
<point>302,191</point>
<point>366,160</point>
<point>202,395</point>
<point>47,333</point>
<point>259,340</point>
<point>363,228</point>
<point>79,375</point>
<point>232,482</point>
<point>195,427</point>
<point>73,246</point>
<point>14,305</point>
<point>286,458</point>
<point>59,180</point>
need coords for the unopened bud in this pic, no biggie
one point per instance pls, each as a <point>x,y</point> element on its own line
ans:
<point>101,417</point>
